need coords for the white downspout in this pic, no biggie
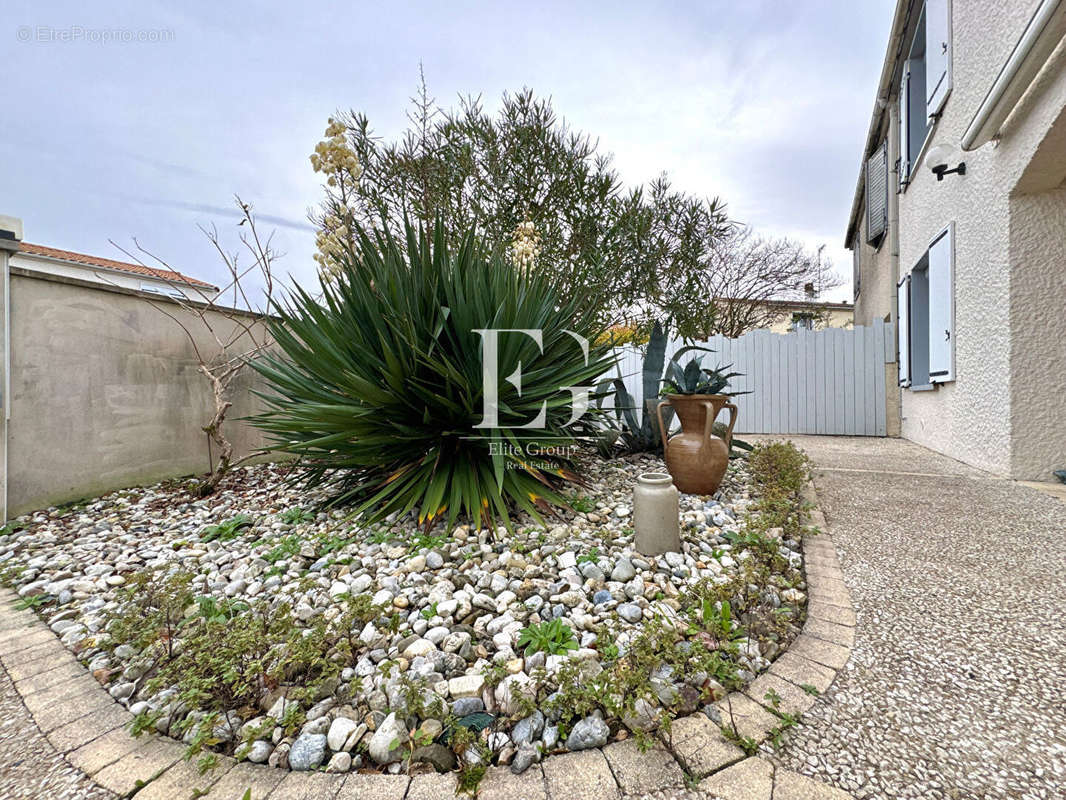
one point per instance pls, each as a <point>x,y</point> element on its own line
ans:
<point>1039,39</point>
<point>7,372</point>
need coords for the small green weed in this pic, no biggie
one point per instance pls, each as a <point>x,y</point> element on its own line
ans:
<point>745,743</point>
<point>581,504</point>
<point>284,549</point>
<point>228,530</point>
<point>553,637</point>
<point>296,516</point>
<point>220,612</point>
<point>591,557</point>
<point>32,602</point>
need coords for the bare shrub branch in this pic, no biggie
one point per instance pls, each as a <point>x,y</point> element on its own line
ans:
<point>235,330</point>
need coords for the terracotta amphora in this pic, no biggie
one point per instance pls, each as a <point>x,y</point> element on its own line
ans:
<point>695,457</point>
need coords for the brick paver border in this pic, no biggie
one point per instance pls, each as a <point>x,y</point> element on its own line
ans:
<point>83,723</point>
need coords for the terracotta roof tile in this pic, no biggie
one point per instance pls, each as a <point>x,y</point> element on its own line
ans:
<point>107,263</point>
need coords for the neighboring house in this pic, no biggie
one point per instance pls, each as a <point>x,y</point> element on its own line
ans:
<point>735,317</point>
<point>125,275</point>
<point>810,315</point>
<point>958,228</point>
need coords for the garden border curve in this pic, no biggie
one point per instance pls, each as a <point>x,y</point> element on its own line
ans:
<point>84,724</point>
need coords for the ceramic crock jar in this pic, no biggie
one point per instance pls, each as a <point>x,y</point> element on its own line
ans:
<point>695,457</point>
<point>656,515</point>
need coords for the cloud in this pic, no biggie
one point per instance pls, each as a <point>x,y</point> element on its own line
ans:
<point>763,103</point>
<point>223,211</point>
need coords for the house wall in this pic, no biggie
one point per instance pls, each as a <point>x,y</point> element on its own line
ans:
<point>877,265</point>
<point>105,393</point>
<point>6,247</point>
<point>877,280</point>
<point>1038,343</point>
<point>972,418</point>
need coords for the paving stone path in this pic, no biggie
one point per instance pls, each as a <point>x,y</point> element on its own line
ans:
<point>956,687</point>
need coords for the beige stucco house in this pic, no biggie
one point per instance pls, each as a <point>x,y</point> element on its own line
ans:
<point>734,317</point>
<point>958,228</point>
<point>811,315</point>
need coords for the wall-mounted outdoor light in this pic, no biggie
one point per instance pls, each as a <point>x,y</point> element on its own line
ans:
<point>938,159</point>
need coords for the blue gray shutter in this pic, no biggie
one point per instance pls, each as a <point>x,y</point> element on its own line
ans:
<point>942,308</point>
<point>937,54</point>
<point>877,193</point>
<point>856,267</point>
<point>903,329</point>
<point>904,126</point>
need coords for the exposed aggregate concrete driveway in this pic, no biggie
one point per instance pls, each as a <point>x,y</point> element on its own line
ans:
<point>956,686</point>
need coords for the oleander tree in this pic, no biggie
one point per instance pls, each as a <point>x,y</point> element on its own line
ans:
<point>543,192</point>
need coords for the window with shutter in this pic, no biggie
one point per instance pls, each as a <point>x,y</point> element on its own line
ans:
<point>942,308</point>
<point>877,193</point>
<point>903,307</point>
<point>914,124</point>
<point>917,122</point>
<point>937,54</point>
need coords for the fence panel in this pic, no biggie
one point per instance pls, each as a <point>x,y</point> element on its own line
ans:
<point>827,382</point>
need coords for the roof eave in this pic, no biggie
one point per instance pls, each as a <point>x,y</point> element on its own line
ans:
<point>192,284</point>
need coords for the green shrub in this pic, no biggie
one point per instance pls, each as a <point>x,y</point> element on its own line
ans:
<point>780,471</point>
<point>223,654</point>
<point>379,388</point>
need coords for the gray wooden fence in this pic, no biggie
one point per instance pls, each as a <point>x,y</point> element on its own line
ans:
<point>829,381</point>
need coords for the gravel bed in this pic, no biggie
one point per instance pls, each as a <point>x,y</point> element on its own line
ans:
<point>460,600</point>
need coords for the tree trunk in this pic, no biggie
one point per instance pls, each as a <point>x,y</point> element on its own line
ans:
<point>214,430</point>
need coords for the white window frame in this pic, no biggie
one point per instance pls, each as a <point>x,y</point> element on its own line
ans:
<point>903,330</point>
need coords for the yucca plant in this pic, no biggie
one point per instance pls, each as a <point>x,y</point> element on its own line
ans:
<point>379,384</point>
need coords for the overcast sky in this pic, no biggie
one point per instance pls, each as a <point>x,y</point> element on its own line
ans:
<point>764,103</point>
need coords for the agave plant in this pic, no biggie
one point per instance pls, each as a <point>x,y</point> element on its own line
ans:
<point>694,378</point>
<point>379,386</point>
<point>639,432</point>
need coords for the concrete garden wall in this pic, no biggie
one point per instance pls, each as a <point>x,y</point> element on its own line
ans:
<point>105,393</point>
